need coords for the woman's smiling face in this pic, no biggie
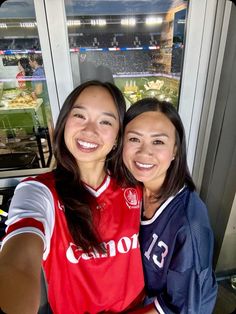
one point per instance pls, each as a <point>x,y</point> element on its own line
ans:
<point>149,147</point>
<point>92,126</point>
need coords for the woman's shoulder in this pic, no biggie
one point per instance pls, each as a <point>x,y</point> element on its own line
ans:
<point>198,219</point>
<point>47,179</point>
<point>39,72</point>
<point>46,176</point>
<point>195,207</point>
<point>189,200</point>
<point>193,210</point>
<point>19,75</point>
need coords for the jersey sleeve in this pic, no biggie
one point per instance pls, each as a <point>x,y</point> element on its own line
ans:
<point>188,292</point>
<point>191,285</point>
<point>31,211</point>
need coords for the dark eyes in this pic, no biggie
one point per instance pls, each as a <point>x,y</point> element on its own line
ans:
<point>137,140</point>
<point>78,115</point>
<point>133,139</point>
<point>106,122</point>
<point>81,116</point>
<point>158,142</point>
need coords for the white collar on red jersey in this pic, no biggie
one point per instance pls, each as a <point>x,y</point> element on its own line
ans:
<point>101,188</point>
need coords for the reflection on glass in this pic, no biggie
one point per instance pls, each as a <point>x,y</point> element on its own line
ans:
<point>123,43</point>
<point>25,115</point>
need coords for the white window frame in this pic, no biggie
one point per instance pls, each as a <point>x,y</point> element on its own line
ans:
<point>201,27</point>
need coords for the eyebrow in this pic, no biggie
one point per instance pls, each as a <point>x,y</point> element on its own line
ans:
<point>109,114</point>
<point>153,135</point>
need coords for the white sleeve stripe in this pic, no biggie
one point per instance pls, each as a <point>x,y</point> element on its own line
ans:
<point>158,307</point>
<point>25,230</point>
<point>33,199</point>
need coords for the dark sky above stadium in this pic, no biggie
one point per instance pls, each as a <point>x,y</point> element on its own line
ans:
<point>120,7</point>
<point>25,8</point>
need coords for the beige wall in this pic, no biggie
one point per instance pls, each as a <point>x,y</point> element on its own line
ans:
<point>227,258</point>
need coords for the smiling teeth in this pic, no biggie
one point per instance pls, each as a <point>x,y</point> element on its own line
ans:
<point>146,166</point>
<point>87,145</point>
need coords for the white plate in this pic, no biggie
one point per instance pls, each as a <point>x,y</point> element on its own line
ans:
<point>10,95</point>
<point>3,103</point>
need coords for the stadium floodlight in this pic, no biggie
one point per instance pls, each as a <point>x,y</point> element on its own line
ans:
<point>3,25</point>
<point>128,22</point>
<point>28,24</point>
<point>99,22</point>
<point>73,23</point>
<point>152,20</point>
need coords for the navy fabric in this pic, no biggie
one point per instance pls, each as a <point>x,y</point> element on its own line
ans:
<point>177,247</point>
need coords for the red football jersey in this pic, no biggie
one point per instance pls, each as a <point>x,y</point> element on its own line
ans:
<point>21,80</point>
<point>80,282</point>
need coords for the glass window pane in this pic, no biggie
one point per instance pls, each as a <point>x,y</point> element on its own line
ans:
<point>137,45</point>
<point>25,114</point>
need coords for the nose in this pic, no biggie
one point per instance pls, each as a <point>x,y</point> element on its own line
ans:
<point>90,127</point>
<point>145,149</point>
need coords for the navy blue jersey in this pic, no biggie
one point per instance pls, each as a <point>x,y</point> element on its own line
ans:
<point>177,248</point>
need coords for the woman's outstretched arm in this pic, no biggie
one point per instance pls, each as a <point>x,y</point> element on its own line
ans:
<point>20,267</point>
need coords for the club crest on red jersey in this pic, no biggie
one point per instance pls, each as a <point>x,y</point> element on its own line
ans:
<point>131,198</point>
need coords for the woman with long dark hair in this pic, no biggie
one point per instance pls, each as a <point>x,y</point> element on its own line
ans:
<point>176,238</point>
<point>25,73</point>
<point>79,220</point>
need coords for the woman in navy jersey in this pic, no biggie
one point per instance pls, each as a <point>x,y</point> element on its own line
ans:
<point>79,222</point>
<point>175,236</point>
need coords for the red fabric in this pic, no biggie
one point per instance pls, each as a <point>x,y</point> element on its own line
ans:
<point>80,282</point>
<point>26,222</point>
<point>21,81</point>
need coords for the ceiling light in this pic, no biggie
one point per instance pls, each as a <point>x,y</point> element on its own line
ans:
<point>73,23</point>
<point>28,24</point>
<point>128,22</point>
<point>153,20</point>
<point>99,22</point>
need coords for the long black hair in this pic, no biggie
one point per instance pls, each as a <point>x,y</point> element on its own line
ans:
<point>178,173</point>
<point>24,62</point>
<point>69,187</point>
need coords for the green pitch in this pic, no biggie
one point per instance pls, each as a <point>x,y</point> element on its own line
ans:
<point>163,88</point>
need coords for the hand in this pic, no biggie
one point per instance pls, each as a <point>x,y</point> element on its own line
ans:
<point>149,309</point>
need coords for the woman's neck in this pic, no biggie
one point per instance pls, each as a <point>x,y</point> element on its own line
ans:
<point>150,205</point>
<point>151,189</point>
<point>93,176</point>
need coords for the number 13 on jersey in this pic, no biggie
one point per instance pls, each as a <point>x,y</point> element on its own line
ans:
<point>160,258</point>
